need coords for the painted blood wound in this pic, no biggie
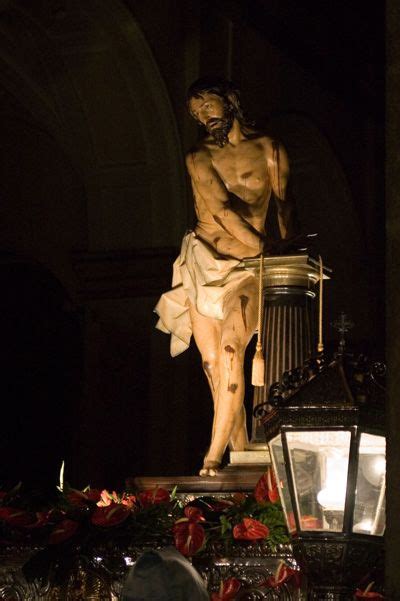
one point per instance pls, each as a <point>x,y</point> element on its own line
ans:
<point>232,388</point>
<point>231,351</point>
<point>243,304</point>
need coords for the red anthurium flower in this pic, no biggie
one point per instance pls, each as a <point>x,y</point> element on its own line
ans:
<point>107,498</point>
<point>188,536</point>
<point>194,514</point>
<point>282,575</point>
<point>239,498</point>
<point>261,489</point>
<point>250,529</point>
<point>80,498</point>
<point>112,515</point>
<point>93,494</point>
<point>153,497</point>
<point>266,488</point>
<point>228,590</point>
<point>63,531</point>
<point>16,517</point>
<point>129,501</point>
<point>291,521</point>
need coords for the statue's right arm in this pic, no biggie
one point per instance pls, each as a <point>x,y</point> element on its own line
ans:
<point>210,188</point>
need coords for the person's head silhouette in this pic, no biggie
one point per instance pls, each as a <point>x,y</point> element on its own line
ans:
<point>163,575</point>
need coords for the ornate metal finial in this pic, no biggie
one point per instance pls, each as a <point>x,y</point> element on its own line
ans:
<point>343,324</point>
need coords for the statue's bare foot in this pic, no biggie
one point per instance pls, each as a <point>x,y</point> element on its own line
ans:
<point>210,468</point>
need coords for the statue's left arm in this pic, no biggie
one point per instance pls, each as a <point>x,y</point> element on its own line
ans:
<point>278,170</point>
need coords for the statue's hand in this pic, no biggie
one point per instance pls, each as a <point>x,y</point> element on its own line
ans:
<point>295,244</point>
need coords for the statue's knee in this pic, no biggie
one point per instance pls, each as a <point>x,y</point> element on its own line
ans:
<point>209,365</point>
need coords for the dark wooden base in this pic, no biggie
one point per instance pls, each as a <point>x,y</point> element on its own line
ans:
<point>232,478</point>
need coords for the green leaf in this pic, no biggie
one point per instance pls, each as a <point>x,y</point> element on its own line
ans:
<point>225,524</point>
<point>278,536</point>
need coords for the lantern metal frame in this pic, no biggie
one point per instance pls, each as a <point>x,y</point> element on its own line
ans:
<point>344,394</point>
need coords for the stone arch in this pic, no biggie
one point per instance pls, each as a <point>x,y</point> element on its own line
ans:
<point>85,74</point>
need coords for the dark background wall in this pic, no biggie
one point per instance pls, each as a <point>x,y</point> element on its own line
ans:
<point>393,294</point>
<point>94,202</point>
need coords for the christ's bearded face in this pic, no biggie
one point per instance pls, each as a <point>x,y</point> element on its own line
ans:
<point>220,128</point>
<point>215,114</point>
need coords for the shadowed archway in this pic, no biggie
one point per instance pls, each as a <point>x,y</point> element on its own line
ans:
<point>42,364</point>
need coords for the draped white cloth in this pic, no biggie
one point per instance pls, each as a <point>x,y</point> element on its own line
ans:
<point>206,279</point>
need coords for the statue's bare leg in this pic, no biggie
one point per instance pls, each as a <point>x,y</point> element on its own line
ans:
<point>207,335</point>
<point>239,439</point>
<point>222,345</point>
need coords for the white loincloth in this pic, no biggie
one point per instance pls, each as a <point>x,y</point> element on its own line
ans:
<point>202,277</point>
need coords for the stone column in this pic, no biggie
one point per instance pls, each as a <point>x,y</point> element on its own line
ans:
<point>289,325</point>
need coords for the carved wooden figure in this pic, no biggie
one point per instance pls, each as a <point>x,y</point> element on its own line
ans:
<point>235,171</point>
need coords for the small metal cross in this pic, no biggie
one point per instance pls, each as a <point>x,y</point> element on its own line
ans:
<point>343,324</point>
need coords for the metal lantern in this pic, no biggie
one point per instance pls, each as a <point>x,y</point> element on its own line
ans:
<point>327,445</point>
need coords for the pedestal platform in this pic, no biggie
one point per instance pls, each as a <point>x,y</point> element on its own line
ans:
<point>232,478</point>
<point>257,457</point>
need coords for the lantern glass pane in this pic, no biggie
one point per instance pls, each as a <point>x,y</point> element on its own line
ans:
<point>278,463</point>
<point>319,462</point>
<point>369,508</point>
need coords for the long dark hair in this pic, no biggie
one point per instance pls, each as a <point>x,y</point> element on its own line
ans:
<point>224,88</point>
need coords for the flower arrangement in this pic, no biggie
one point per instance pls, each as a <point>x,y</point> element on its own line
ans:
<point>90,518</point>
<point>88,515</point>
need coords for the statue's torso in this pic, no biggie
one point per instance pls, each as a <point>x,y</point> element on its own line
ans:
<point>243,171</point>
